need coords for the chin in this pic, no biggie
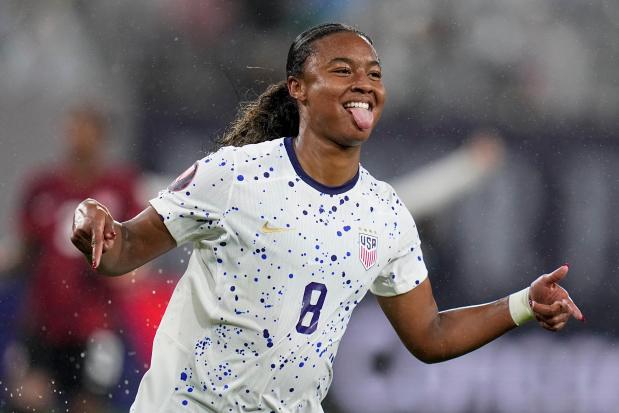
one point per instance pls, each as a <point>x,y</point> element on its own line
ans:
<point>349,135</point>
<point>353,139</point>
<point>361,135</point>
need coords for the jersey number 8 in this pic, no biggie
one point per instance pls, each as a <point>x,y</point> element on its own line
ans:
<point>308,307</point>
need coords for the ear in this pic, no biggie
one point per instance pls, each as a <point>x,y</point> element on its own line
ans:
<point>296,88</point>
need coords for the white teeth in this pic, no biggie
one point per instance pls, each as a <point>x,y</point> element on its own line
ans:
<point>357,105</point>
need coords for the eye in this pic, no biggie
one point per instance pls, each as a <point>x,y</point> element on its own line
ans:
<point>375,74</point>
<point>342,70</point>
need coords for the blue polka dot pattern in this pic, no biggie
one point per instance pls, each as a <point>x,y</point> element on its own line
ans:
<point>274,276</point>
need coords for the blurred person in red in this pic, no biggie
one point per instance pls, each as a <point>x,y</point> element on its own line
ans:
<point>68,314</point>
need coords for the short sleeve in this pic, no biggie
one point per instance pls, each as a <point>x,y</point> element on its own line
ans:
<point>406,269</point>
<point>194,205</point>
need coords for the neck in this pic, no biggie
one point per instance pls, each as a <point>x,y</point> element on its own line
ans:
<point>326,161</point>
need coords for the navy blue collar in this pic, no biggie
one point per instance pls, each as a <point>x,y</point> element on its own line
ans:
<point>333,190</point>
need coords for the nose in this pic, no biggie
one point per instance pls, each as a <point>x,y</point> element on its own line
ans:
<point>361,82</point>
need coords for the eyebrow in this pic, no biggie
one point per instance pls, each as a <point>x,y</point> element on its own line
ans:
<point>350,61</point>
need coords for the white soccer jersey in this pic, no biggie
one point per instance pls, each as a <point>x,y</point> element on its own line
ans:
<point>279,263</point>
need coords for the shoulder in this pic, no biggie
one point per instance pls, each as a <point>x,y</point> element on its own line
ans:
<point>378,188</point>
<point>229,163</point>
<point>256,151</point>
<point>252,151</point>
<point>263,157</point>
<point>384,194</point>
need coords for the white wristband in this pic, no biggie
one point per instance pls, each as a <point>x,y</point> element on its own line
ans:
<point>519,307</point>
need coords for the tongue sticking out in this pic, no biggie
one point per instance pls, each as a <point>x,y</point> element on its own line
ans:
<point>363,117</point>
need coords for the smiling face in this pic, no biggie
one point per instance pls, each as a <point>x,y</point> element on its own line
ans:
<point>340,93</point>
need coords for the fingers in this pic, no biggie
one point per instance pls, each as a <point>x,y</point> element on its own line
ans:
<point>103,235</point>
<point>97,242</point>
<point>93,230</point>
<point>108,230</point>
<point>557,275</point>
<point>553,327</point>
<point>555,323</point>
<point>562,317</point>
<point>574,310</point>
<point>553,317</point>
<point>547,311</point>
<point>546,289</point>
<point>81,239</point>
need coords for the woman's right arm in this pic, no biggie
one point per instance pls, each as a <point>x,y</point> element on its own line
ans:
<point>115,248</point>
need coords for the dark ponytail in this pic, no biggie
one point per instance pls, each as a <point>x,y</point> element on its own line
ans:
<point>274,113</point>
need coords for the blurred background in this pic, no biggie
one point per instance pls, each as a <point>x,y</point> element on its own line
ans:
<point>500,132</point>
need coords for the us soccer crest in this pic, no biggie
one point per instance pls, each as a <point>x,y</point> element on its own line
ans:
<point>368,249</point>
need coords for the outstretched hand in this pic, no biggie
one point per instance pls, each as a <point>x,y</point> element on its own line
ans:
<point>93,230</point>
<point>550,303</point>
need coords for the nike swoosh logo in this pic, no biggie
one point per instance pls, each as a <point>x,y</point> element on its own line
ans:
<point>267,229</point>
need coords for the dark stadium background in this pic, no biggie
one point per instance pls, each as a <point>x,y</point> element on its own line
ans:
<point>542,74</point>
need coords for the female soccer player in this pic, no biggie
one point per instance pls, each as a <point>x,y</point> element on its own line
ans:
<point>289,233</point>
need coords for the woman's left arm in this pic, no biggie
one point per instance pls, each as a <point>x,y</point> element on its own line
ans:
<point>434,336</point>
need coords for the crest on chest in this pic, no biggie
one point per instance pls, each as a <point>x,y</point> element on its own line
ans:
<point>368,248</point>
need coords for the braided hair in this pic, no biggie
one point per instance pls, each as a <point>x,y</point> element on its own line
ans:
<point>275,113</point>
